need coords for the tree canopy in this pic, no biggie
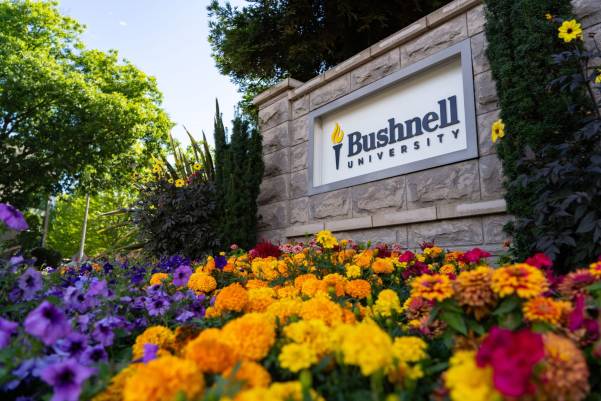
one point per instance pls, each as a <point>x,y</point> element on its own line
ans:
<point>69,116</point>
<point>268,40</point>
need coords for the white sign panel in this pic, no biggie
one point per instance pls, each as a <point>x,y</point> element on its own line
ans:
<point>418,118</point>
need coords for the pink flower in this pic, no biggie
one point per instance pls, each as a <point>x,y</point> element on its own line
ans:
<point>406,257</point>
<point>512,356</point>
<point>474,256</point>
<point>539,260</point>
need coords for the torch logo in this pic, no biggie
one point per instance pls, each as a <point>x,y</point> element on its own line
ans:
<point>337,137</point>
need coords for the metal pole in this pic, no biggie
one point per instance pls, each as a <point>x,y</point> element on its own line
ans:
<point>84,227</point>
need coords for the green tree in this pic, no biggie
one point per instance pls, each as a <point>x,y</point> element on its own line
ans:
<point>238,175</point>
<point>69,117</point>
<point>268,40</point>
<point>104,233</point>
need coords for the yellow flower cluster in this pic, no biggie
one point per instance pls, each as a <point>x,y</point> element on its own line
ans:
<point>161,336</point>
<point>467,382</point>
<point>202,283</point>
<point>387,303</point>
<point>545,309</point>
<point>326,239</point>
<point>158,278</point>
<point>435,287</point>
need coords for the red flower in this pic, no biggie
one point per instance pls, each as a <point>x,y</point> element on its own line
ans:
<point>473,256</point>
<point>539,260</point>
<point>406,257</point>
<point>577,320</point>
<point>265,249</point>
<point>512,356</point>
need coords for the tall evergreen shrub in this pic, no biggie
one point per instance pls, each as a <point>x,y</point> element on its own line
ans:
<point>539,117</point>
<point>238,175</point>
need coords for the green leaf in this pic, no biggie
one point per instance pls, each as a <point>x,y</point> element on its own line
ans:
<point>455,321</point>
<point>594,287</point>
<point>508,305</point>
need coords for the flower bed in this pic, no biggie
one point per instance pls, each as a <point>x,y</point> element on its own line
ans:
<point>328,320</point>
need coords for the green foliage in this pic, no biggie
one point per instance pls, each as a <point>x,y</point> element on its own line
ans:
<point>104,233</point>
<point>521,45</point>
<point>68,116</point>
<point>238,172</point>
<point>177,208</point>
<point>266,40</point>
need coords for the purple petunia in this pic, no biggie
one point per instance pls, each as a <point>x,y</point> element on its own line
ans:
<point>181,275</point>
<point>75,299</point>
<point>7,329</point>
<point>30,282</point>
<point>157,306</point>
<point>66,379</point>
<point>74,345</point>
<point>12,217</point>
<point>150,352</point>
<point>103,333</point>
<point>94,355</point>
<point>48,323</point>
<point>185,316</point>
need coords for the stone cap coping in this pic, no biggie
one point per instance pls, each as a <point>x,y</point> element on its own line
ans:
<point>422,215</point>
<point>297,88</point>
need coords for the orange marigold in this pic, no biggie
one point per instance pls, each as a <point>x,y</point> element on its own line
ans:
<point>232,298</point>
<point>334,282</point>
<point>383,265</point>
<point>364,258</point>
<point>522,279</point>
<point>250,336</point>
<point>358,289</point>
<point>202,283</point>
<point>472,290</point>
<point>312,286</point>
<point>209,352</point>
<point>544,309</point>
<point>256,283</point>
<point>565,372</point>
<point>250,373</point>
<point>284,309</point>
<point>158,278</point>
<point>436,287</point>
<point>287,291</point>
<point>321,308</point>
<point>448,269</point>
<point>300,280</point>
<point>259,299</point>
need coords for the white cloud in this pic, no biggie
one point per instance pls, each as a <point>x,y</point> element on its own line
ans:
<point>122,23</point>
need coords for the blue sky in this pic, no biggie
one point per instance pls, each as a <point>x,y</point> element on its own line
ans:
<point>166,39</point>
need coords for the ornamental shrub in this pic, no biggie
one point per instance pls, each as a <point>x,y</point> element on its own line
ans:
<point>542,123</point>
<point>238,175</point>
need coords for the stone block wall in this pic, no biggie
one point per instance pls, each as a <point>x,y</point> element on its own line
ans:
<point>459,205</point>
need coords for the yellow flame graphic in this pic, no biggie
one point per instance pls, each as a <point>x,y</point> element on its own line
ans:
<point>337,134</point>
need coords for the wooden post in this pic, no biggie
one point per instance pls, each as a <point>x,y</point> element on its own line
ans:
<point>84,227</point>
<point>46,222</point>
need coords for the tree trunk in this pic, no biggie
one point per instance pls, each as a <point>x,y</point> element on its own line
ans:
<point>46,222</point>
<point>84,227</point>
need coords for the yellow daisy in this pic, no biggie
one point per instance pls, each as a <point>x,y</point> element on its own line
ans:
<point>197,166</point>
<point>179,183</point>
<point>498,130</point>
<point>570,30</point>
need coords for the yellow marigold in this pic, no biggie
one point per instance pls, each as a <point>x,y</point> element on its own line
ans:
<point>212,312</point>
<point>250,336</point>
<point>265,268</point>
<point>158,278</point>
<point>259,299</point>
<point>472,290</point>
<point>352,271</point>
<point>323,309</point>
<point>162,379</point>
<point>326,239</point>
<point>436,287</point>
<point>595,268</point>
<point>368,346</point>
<point>232,298</point>
<point>286,391</point>
<point>256,283</point>
<point>544,309</point>
<point>250,373</point>
<point>565,372</point>
<point>407,352</point>
<point>433,251</point>
<point>468,382</point>
<point>387,303</point>
<point>358,289</point>
<point>345,255</point>
<point>114,391</point>
<point>209,352</point>
<point>382,265</point>
<point>296,357</point>
<point>334,282</point>
<point>158,335</point>
<point>447,269</point>
<point>364,258</point>
<point>522,279</point>
<point>209,266</point>
<point>314,333</point>
<point>283,309</point>
<point>570,30</point>
<point>202,283</point>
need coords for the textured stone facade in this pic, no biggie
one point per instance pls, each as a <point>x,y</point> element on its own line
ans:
<point>458,205</point>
